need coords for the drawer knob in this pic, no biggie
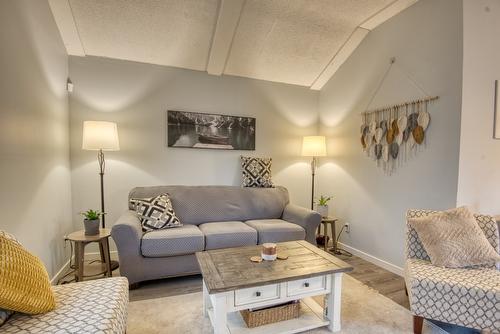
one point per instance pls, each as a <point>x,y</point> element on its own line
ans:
<point>306,284</point>
<point>257,293</point>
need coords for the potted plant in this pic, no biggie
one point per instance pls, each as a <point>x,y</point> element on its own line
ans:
<point>322,205</point>
<point>91,221</point>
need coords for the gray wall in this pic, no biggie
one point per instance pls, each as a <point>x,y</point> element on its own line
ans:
<point>426,39</point>
<point>34,167</point>
<point>136,96</point>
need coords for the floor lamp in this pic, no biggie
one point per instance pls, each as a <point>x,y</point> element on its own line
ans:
<point>100,136</point>
<point>313,146</point>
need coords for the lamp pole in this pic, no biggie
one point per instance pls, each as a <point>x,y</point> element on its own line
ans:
<point>102,166</point>
<point>313,173</point>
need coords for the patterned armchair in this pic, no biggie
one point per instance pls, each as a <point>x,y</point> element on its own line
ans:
<point>467,297</point>
<point>90,307</point>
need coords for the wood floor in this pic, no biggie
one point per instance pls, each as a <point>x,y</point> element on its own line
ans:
<point>379,279</point>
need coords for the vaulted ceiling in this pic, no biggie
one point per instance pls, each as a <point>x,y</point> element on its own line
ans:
<point>301,42</point>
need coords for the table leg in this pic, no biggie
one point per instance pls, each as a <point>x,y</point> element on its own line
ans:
<point>333,303</point>
<point>325,234</point>
<point>220,314</point>
<point>101,251</point>
<point>104,245</point>
<point>206,300</point>
<point>79,254</point>
<point>334,239</point>
<point>325,246</point>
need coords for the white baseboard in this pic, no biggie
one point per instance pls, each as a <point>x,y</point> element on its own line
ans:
<point>88,256</point>
<point>60,273</point>
<point>375,260</point>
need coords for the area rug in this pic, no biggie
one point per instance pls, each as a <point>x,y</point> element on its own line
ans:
<point>364,311</point>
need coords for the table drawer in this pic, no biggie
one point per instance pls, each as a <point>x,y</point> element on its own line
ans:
<point>306,285</point>
<point>256,294</point>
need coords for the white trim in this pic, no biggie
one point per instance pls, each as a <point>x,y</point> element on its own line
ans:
<point>222,40</point>
<point>386,13</point>
<point>63,15</point>
<point>375,260</point>
<point>356,38</point>
<point>60,273</point>
<point>340,57</point>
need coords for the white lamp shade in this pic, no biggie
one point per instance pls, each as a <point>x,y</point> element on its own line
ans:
<point>100,136</point>
<point>314,146</point>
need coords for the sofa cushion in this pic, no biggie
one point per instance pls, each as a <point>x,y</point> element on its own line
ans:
<point>96,306</point>
<point>201,204</point>
<point>467,297</point>
<point>276,230</point>
<point>228,234</point>
<point>186,239</point>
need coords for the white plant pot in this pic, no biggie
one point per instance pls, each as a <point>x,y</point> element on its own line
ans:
<point>322,210</point>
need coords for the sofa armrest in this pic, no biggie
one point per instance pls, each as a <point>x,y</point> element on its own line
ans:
<point>306,218</point>
<point>127,234</point>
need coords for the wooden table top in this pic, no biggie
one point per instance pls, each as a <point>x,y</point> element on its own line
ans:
<point>328,219</point>
<point>231,269</point>
<point>80,235</point>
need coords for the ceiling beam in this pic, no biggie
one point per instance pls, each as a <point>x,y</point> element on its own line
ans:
<point>61,10</point>
<point>340,57</point>
<point>227,22</point>
<point>386,13</point>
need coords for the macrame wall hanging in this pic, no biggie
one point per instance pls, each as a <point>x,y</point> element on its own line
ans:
<point>391,135</point>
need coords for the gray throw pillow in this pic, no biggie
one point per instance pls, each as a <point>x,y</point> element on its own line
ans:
<point>156,213</point>
<point>453,239</point>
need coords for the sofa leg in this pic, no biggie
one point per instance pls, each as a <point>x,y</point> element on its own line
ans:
<point>133,286</point>
<point>417,324</point>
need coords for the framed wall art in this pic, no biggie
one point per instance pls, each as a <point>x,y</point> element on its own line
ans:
<point>212,131</point>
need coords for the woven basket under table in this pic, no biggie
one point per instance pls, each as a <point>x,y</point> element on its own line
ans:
<point>271,315</point>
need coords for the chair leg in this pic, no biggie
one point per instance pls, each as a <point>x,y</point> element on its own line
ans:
<point>417,324</point>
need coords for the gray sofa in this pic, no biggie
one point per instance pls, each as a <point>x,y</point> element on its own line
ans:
<point>212,217</point>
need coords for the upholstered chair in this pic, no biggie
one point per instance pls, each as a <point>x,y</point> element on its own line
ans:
<point>467,297</point>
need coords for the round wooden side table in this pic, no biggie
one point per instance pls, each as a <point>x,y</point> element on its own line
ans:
<point>81,240</point>
<point>325,221</point>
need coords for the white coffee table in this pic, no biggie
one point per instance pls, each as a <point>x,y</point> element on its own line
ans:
<point>231,282</point>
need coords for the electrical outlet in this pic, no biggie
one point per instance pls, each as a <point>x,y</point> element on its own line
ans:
<point>347,228</point>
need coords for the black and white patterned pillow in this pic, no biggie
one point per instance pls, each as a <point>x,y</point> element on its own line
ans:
<point>256,172</point>
<point>156,212</point>
<point>4,315</point>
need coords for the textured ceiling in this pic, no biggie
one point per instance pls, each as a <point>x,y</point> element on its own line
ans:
<point>293,41</point>
<point>174,33</point>
<point>299,42</point>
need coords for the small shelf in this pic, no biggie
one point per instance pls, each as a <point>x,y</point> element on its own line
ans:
<point>311,316</point>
